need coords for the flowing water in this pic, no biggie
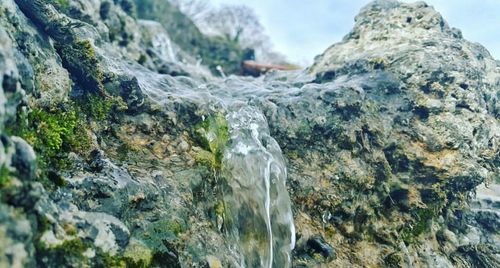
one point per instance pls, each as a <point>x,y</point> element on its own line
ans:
<point>258,217</point>
<point>258,205</point>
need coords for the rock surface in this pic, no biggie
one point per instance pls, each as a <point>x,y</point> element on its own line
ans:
<point>385,139</point>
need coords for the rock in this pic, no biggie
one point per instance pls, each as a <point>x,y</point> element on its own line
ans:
<point>317,244</point>
<point>16,249</point>
<point>476,256</point>
<point>138,253</point>
<point>132,95</point>
<point>394,260</point>
<point>24,160</point>
<point>213,262</point>
<point>384,139</point>
<point>17,159</point>
<point>489,220</point>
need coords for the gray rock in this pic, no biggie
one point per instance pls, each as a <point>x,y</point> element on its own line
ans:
<point>24,159</point>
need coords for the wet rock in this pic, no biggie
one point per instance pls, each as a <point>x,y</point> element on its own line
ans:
<point>98,161</point>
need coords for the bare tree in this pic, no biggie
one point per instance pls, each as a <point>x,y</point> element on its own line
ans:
<point>236,23</point>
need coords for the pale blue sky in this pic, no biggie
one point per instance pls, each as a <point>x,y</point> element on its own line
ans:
<point>303,29</point>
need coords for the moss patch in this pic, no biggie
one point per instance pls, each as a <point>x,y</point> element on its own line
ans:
<point>68,254</point>
<point>5,176</point>
<point>137,255</point>
<point>161,232</point>
<point>212,134</point>
<point>99,108</point>
<point>411,231</point>
<point>57,130</point>
<point>60,4</point>
<point>71,254</point>
<point>53,132</point>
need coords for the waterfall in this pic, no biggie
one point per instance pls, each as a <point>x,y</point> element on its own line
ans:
<point>164,45</point>
<point>258,211</point>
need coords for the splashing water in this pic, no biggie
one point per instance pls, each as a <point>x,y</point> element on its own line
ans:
<point>258,209</point>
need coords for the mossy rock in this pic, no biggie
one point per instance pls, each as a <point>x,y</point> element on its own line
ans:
<point>411,232</point>
<point>69,254</point>
<point>57,130</point>
<point>81,60</point>
<point>394,260</point>
<point>162,238</point>
<point>137,254</point>
<point>213,135</point>
<point>5,176</point>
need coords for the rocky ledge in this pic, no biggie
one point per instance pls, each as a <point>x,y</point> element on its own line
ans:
<point>118,150</point>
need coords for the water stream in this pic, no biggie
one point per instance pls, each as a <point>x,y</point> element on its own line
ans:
<point>258,217</point>
<point>258,205</point>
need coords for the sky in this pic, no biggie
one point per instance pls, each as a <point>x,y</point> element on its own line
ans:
<point>303,29</point>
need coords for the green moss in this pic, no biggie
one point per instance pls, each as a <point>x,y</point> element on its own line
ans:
<point>142,59</point>
<point>99,108</point>
<point>53,132</point>
<point>5,176</point>
<point>60,3</point>
<point>173,226</point>
<point>123,151</point>
<point>82,62</point>
<point>394,260</point>
<point>71,254</point>
<point>219,208</point>
<point>50,129</point>
<point>106,260</point>
<point>137,255</point>
<point>213,135</point>
<point>292,154</point>
<point>70,229</point>
<point>421,224</point>
<point>68,254</point>
<point>43,224</point>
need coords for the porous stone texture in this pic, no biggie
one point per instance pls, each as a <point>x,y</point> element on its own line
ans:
<point>386,138</point>
<point>16,165</point>
<point>421,142</point>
